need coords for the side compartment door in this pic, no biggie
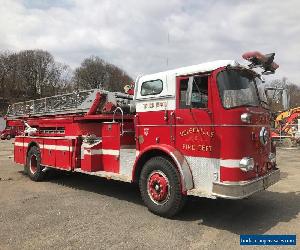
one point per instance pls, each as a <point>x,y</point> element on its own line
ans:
<point>111,147</point>
<point>63,153</point>
<point>19,150</point>
<point>48,152</point>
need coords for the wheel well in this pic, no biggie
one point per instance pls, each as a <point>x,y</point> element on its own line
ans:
<point>30,145</point>
<point>147,156</point>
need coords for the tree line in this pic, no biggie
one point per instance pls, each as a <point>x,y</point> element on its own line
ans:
<point>32,74</point>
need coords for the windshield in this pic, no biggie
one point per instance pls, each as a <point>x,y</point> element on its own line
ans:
<point>237,88</point>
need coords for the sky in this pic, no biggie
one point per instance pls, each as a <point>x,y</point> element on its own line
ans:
<point>144,37</point>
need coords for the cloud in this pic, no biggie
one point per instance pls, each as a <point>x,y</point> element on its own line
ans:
<point>142,36</point>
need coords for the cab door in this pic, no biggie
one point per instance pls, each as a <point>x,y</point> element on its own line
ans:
<point>195,135</point>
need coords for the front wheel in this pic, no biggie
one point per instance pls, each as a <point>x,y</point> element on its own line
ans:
<point>161,188</point>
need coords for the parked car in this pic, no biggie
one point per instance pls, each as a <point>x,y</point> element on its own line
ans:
<point>10,132</point>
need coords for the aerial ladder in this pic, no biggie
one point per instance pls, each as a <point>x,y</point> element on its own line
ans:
<point>79,102</point>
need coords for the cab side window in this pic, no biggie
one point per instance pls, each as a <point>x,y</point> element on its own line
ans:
<point>153,87</point>
<point>199,98</point>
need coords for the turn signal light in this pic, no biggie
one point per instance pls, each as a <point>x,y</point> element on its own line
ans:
<point>246,117</point>
<point>247,164</point>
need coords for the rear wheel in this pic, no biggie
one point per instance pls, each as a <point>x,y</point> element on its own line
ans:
<point>33,164</point>
<point>160,187</point>
<point>8,137</point>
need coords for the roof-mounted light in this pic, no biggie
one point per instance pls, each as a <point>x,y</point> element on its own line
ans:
<point>266,62</point>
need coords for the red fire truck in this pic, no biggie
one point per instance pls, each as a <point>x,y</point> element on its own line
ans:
<point>201,130</point>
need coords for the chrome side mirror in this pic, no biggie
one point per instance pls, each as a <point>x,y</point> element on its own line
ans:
<point>280,93</point>
<point>285,99</point>
<point>189,90</point>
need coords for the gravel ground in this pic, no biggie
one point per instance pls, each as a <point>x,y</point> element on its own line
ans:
<point>77,211</point>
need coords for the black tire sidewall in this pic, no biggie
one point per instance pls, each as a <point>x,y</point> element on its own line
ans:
<point>176,198</point>
<point>39,174</point>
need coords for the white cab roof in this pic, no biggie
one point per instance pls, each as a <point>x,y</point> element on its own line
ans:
<point>169,81</point>
<point>198,68</point>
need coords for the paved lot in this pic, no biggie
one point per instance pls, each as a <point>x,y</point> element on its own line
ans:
<point>78,211</point>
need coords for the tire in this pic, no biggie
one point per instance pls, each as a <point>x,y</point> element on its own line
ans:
<point>33,164</point>
<point>8,137</point>
<point>160,187</point>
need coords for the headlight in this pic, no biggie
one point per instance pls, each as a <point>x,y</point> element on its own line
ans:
<point>246,164</point>
<point>263,136</point>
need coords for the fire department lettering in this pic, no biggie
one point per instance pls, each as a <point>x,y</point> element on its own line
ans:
<point>199,147</point>
<point>196,130</point>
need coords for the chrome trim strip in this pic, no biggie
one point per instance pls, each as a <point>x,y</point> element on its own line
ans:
<point>101,152</point>
<point>59,168</point>
<point>108,175</point>
<point>156,98</point>
<point>230,163</point>
<point>184,170</point>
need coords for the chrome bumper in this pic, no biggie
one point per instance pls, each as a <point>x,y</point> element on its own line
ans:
<point>240,190</point>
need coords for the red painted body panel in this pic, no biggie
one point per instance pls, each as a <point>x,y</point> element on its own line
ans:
<point>48,154</point>
<point>64,156</point>
<point>91,162</point>
<point>154,129</point>
<point>238,139</point>
<point>111,146</point>
<point>19,150</point>
<point>55,152</point>
<point>194,134</point>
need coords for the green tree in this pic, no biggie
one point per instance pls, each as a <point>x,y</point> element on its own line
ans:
<point>94,72</point>
<point>31,74</point>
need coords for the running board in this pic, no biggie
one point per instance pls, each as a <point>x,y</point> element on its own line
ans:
<point>107,175</point>
<point>200,193</point>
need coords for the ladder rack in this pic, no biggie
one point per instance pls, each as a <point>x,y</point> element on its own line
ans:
<point>73,103</point>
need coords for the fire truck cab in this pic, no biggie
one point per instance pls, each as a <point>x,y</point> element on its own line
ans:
<point>200,130</point>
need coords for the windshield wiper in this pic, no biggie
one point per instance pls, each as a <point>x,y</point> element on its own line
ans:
<point>266,104</point>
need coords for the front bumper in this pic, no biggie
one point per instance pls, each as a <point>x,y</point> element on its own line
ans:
<point>240,190</point>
